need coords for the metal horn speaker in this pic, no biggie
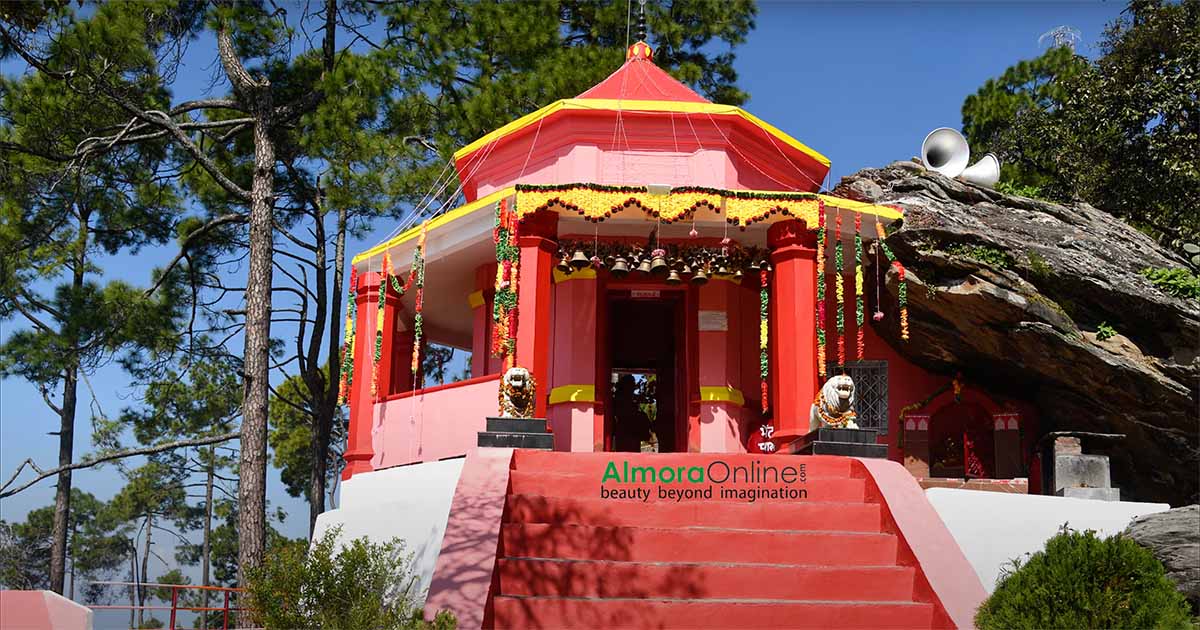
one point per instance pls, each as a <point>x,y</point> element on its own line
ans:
<point>945,151</point>
<point>985,172</point>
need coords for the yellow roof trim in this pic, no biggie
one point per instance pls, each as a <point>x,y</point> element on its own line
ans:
<point>886,212</point>
<point>435,223</point>
<point>677,107</point>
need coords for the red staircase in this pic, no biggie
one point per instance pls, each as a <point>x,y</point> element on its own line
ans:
<point>568,558</point>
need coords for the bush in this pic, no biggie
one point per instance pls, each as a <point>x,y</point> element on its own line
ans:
<point>1105,332</point>
<point>362,585</point>
<point>1081,581</point>
<point>1178,282</point>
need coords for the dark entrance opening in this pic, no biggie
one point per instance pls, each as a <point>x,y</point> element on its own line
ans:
<point>644,335</point>
<point>961,442</point>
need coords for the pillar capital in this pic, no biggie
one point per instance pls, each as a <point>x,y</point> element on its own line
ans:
<point>791,239</point>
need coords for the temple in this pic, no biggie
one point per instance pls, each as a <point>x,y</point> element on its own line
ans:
<point>724,320</point>
<point>640,252</point>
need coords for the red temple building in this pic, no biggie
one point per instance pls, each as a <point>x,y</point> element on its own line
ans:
<point>639,229</point>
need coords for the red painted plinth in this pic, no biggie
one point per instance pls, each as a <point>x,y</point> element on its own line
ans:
<point>793,325</point>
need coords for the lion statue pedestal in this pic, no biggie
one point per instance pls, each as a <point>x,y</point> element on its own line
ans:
<point>833,427</point>
<point>514,427</point>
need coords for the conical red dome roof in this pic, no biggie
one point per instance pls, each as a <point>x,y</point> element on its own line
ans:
<point>639,79</point>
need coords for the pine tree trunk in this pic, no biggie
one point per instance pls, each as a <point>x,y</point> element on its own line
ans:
<point>206,547</point>
<point>252,469</point>
<point>66,431</point>
<point>133,577</point>
<point>145,572</point>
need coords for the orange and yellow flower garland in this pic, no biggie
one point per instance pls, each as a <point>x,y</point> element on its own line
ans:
<point>858,287</point>
<point>821,290</point>
<point>839,261</point>
<point>504,308</point>
<point>902,290</point>
<point>346,377</point>
<point>764,304</point>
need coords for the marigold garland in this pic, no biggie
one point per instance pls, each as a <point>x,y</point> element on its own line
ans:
<point>840,263</point>
<point>764,303</point>
<point>346,378</point>
<point>858,287</point>
<point>388,280</point>
<point>902,290</point>
<point>504,308</point>
<point>821,290</point>
<point>384,278</point>
<point>597,202</point>
<point>418,270</point>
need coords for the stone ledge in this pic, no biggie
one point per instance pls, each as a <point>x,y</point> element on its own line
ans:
<point>1019,485</point>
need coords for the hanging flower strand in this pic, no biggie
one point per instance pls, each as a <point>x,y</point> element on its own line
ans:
<point>418,303</point>
<point>858,288</point>
<point>384,278</point>
<point>764,303</point>
<point>821,289</point>
<point>504,308</point>
<point>840,262</point>
<point>902,290</point>
<point>346,378</point>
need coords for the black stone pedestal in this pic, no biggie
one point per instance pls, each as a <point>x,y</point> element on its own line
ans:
<point>517,433</point>
<point>848,442</point>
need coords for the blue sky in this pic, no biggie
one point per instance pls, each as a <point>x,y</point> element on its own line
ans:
<point>861,82</point>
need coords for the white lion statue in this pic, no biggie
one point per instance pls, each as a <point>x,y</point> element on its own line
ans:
<point>834,406</point>
<point>517,391</point>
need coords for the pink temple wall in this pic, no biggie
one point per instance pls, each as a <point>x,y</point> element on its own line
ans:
<point>435,423</point>
<point>573,362</point>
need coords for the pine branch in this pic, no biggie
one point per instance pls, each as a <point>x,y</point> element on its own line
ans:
<point>146,450</point>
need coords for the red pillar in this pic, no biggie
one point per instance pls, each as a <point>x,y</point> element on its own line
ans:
<point>359,450</point>
<point>793,325</point>
<point>534,313</point>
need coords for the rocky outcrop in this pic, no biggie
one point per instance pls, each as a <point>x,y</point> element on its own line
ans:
<point>1174,538</point>
<point>1021,295</point>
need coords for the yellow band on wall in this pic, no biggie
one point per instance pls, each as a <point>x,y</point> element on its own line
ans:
<point>573,393</point>
<point>475,300</point>
<point>722,394</point>
<point>587,273</point>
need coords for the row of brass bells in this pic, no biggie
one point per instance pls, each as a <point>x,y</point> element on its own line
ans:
<point>620,268</point>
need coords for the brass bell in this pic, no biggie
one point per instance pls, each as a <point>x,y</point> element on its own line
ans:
<point>700,277</point>
<point>722,270</point>
<point>687,270</point>
<point>644,266</point>
<point>753,265</point>
<point>738,275</point>
<point>609,260</point>
<point>562,265</point>
<point>673,277</point>
<point>620,268</point>
<point>658,266</point>
<point>579,261</point>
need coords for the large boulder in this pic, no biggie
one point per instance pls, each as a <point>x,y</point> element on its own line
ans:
<point>1174,538</point>
<point>1021,295</point>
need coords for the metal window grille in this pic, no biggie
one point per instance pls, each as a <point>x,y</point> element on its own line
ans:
<point>870,392</point>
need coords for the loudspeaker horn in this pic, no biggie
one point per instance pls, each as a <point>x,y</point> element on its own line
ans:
<point>985,172</point>
<point>946,151</point>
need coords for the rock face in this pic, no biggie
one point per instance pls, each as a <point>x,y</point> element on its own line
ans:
<point>1174,538</point>
<point>1019,294</point>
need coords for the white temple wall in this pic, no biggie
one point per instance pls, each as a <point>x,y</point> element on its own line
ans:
<point>992,528</point>
<point>407,502</point>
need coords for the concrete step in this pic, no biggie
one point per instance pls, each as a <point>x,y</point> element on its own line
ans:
<point>560,612</point>
<point>694,544</point>
<point>517,425</point>
<point>590,578</point>
<point>824,516</point>
<point>597,463</point>
<point>588,485</point>
<point>516,440</point>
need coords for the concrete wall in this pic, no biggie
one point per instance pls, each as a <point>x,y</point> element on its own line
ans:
<point>408,502</point>
<point>992,528</point>
<point>42,610</point>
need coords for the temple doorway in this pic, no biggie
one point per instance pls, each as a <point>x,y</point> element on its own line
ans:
<point>961,442</point>
<point>644,408</point>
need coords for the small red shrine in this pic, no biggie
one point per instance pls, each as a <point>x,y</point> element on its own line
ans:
<point>641,229</point>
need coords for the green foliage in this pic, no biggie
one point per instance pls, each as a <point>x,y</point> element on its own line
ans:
<point>290,437</point>
<point>359,585</point>
<point>982,253</point>
<point>1104,332</point>
<point>1119,132</point>
<point>1081,581</point>
<point>1038,265</point>
<point>1021,190</point>
<point>1177,281</point>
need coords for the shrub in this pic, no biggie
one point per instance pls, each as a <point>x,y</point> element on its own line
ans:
<point>1105,332</point>
<point>983,253</point>
<point>1081,581</point>
<point>1178,282</point>
<point>361,585</point>
<point>1022,190</point>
